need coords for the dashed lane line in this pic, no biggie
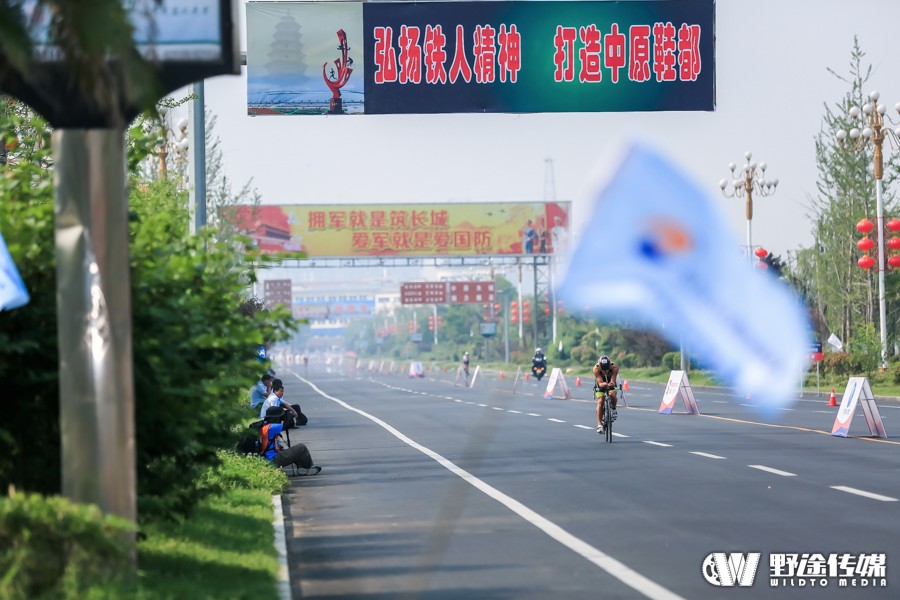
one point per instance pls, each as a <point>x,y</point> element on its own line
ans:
<point>556,420</point>
<point>708,455</point>
<point>652,443</point>
<point>863,493</point>
<point>771,470</point>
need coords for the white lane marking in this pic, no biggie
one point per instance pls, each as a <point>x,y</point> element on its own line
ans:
<point>497,408</point>
<point>658,444</point>
<point>619,434</point>
<point>750,405</point>
<point>484,405</point>
<point>556,420</point>
<point>720,401</point>
<point>783,408</point>
<point>284,578</point>
<point>532,414</point>
<point>515,412</point>
<point>457,400</point>
<point>863,493</point>
<point>827,412</point>
<point>771,470</point>
<point>707,455</point>
<point>583,427</point>
<point>616,568</point>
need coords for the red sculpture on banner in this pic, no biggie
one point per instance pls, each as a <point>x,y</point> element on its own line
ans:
<point>338,79</point>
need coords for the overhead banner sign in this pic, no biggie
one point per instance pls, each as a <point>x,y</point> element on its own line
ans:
<point>339,230</point>
<point>502,57</point>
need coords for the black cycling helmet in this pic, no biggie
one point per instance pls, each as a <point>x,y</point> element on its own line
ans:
<point>604,363</point>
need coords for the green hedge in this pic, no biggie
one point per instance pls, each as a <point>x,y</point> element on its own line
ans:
<point>53,548</point>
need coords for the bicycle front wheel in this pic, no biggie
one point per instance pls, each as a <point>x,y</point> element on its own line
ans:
<point>608,413</point>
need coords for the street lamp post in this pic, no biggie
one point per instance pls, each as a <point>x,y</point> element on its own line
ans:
<point>752,179</point>
<point>871,117</point>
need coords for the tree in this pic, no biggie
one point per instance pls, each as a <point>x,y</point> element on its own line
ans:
<point>195,333</point>
<point>843,295</point>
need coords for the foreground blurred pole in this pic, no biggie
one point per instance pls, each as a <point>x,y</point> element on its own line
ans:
<point>93,301</point>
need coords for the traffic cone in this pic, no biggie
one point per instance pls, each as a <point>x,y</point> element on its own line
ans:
<point>501,375</point>
<point>833,400</point>
<point>625,385</point>
<point>578,381</point>
<point>526,376</point>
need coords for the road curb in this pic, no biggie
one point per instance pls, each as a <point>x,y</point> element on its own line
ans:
<point>284,579</point>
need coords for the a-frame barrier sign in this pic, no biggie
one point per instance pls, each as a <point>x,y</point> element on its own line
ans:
<point>858,392</point>
<point>678,385</point>
<point>557,378</point>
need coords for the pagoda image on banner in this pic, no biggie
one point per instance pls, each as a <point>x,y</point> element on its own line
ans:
<point>290,79</point>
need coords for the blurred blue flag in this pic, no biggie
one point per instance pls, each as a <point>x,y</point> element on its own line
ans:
<point>656,250</point>
<point>12,289</point>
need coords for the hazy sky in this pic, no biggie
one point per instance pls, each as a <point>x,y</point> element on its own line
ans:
<point>771,78</point>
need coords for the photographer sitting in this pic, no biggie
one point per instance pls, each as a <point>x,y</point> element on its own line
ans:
<point>274,450</point>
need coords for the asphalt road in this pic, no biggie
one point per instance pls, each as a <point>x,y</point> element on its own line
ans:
<point>431,490</point>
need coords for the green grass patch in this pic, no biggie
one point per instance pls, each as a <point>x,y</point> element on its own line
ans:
<point>225,549</point>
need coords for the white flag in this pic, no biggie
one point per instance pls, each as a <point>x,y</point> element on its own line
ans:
<point>657,250</point>
<point>835,342</point>
<point>12,289</point>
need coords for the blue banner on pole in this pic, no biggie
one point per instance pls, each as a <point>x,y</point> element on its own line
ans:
<point>12,289</point>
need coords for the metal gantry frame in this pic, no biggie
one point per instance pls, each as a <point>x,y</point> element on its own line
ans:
<point>487,260</point>
<point>544,316</point>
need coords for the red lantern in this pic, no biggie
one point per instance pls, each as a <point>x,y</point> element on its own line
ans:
<point>514,319</point>
<point>546,311</point>
<point>864,226</point>
<point>761,253</point>
<point>866,244</point>
<point>894,243</point>
<point>866,262</point>
<point>894,262</point>
<point>893,224</point>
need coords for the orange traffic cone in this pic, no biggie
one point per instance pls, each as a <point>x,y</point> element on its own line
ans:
<point>526,376</point>
<point>578,381</point>
<point>833,400</point>
<point>625,385</point>
<point>501,375</point>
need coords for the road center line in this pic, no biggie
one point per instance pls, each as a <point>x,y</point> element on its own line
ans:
<point>556,420</point>
<point>863,493</point>
<point>622,435</point>
<point>617,569</point>
<point>707,455</point>
<point>771,470</point>
<point>657,444</point>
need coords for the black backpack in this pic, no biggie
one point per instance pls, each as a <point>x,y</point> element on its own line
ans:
<point>249,442</point>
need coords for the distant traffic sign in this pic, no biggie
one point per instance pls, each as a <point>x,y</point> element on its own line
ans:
<point>440,292</point>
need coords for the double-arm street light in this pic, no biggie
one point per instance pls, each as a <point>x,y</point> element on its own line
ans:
<point>872,121</point>
<point>750,180</point>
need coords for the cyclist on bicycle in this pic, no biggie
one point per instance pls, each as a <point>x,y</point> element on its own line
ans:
<point>605,373</point>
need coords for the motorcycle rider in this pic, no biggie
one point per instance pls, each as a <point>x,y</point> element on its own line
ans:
<point>538,361</point>
<point>605,373</point>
